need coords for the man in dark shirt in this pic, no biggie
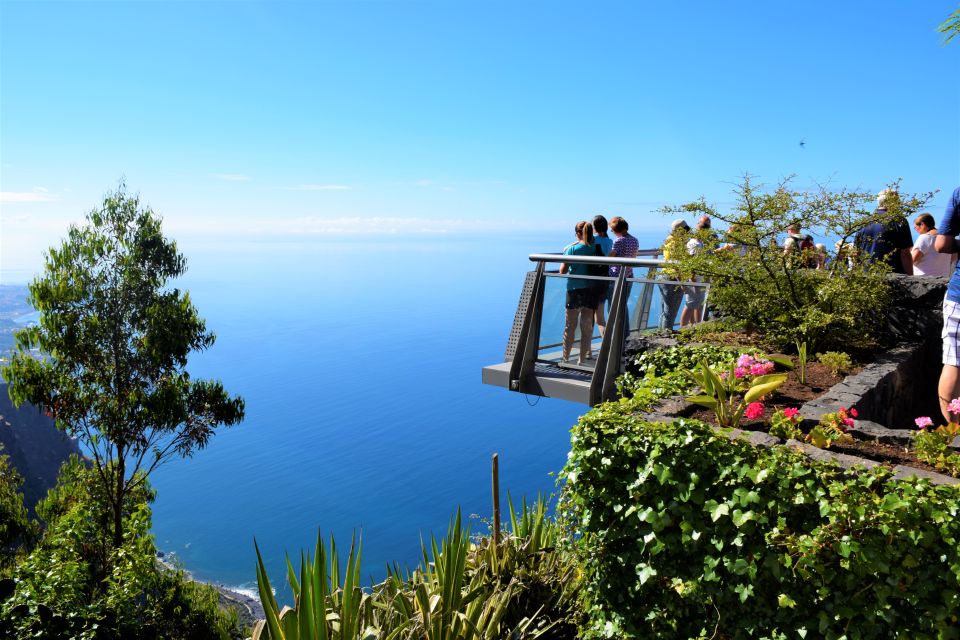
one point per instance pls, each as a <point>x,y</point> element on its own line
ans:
<point>889,242</point>
<point>946,242</point>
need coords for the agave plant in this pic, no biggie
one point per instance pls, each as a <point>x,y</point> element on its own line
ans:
<point>445,598</point>
<point>324,609</point>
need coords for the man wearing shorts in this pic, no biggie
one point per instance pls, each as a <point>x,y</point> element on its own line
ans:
<point>946,242</point>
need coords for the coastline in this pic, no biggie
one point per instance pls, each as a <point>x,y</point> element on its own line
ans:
<point>248,608</point>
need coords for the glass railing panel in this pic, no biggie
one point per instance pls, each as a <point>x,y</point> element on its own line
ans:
<point>555,318</point>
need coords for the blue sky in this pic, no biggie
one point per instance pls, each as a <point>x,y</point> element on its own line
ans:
<point>316,120</point>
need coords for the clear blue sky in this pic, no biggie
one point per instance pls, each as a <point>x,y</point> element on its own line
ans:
<point>313,119</point>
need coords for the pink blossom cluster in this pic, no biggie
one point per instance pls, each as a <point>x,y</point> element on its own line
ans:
<point>847,415</point>
<point>748,365</point>
<point>790,412</point>
<point>954,406</point>
<point>924,422</point>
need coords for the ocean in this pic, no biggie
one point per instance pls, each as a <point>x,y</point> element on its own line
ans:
<point>359,360</point>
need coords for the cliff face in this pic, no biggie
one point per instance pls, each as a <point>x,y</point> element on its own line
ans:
<point>35,446</point>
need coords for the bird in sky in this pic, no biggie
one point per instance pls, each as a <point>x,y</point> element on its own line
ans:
<point>803,142</point>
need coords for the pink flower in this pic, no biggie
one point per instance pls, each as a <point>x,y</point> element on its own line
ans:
<point>745,360</point>
<point>761,368</point>
<point>924,422</point>
<point>790,412</point>
<point>848,422</point>
<point>739,372</point>
<point>853,412</point>
<point>954,406</point>
<point>754,410</point>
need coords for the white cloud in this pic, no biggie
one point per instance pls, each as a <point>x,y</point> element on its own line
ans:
<point>231,177</point>
<point>39,194</point>
<point>321,187</point>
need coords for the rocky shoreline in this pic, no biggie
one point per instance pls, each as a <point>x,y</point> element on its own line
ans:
<point>247,607</point>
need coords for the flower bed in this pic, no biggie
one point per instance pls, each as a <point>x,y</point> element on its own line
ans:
<point>817,415</point>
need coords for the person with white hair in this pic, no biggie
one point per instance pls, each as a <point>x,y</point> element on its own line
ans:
<point>890,241</point>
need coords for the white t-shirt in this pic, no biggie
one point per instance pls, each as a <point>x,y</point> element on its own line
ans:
<point>932,263</point>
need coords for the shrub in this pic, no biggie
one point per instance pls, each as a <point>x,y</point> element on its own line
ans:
<point>838,361</point>
<point>664,372</point>
<point>767,290</point>
<point>933,445</point>
<point>77,584</point>
<point>687,534</point>
<point>17,531</point>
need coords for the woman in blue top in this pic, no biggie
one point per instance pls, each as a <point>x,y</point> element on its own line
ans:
<point>581,294</point>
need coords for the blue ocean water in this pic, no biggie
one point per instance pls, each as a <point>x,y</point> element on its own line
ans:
<point>359,360</point>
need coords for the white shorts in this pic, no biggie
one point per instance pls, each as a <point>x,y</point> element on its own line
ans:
<point>951,333</point>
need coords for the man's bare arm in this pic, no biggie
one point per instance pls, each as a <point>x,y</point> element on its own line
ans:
<point>945,244</point>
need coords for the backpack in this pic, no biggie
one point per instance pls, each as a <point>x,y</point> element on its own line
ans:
<point>807,243</point>
<point>599,270</point>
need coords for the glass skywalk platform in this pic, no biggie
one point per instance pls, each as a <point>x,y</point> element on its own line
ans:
<point>533,362</point>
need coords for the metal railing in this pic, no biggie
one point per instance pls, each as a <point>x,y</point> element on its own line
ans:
<point>608,361</point>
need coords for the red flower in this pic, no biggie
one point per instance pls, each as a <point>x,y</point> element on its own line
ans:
<point>754,410</point>
<point>790,412</point>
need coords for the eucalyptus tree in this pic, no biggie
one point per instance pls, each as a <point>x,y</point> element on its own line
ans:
<point>108,357</point>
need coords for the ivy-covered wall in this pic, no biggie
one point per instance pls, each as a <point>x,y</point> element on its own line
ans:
<point>687,534</point>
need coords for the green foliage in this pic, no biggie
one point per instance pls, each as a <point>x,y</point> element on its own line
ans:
<point>838,361</point>
<point>76,583</point>
<point>115,340</point>
<point>521,588</point>
<point>801,362</point>
<point>784,426</point>
<point>933,447</point>
<point>685,533</point>
<point>714,330</point>
<point>768,292</point>
<point>950,27</point>
<point>661,373</point>
<point>17,531</point>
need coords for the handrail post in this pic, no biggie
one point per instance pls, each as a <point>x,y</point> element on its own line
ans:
<point>528,344</point>
<point>603,383</point>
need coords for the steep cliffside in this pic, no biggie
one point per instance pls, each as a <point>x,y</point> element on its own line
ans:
<point>35,446</point>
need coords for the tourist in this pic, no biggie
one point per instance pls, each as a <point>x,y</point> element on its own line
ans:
<point>946,242</point>
<point>604,289</point>
<point>799,248</point>
<point>820,256</point>
<point>889,242</point>
<point>705,233</point>
<point>927,261</point>
<point>624,246</point>
<point>581,294</point>
<point>733,242</point>
<point>703,238</point>
<point>671,294</point>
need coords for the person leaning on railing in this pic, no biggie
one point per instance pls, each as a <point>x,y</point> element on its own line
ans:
<point>581,294</point>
